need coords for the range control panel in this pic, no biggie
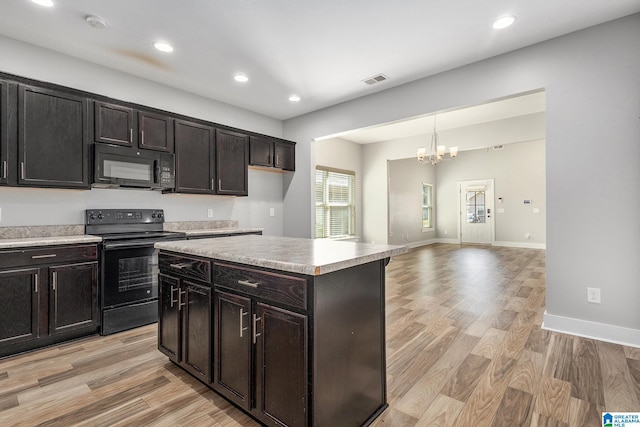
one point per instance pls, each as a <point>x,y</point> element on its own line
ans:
<point>124,216</point>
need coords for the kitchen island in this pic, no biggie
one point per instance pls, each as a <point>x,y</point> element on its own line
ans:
<point>292,331</point>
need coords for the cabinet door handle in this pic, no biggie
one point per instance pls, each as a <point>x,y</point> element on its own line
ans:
<point>255,327</point>
<point>141,137</point>
<point>181,303</point>
<point>277,160</point>
<point>242,328</point>
<point>43,256</point>
<point>173,301</point>
<point>22,170</point>
<point>55,281</point>
<point>248,283</point>
<point>4,169</point>
<point>219,185</point>
<point>213,184</point>
<point>131,135</point>
<point>35,287</point>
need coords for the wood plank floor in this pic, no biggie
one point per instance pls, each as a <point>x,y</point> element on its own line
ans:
<point>464,348</point>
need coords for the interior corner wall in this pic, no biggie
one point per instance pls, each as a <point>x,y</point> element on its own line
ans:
<point>25,206</point>
<point>406,177</point>
<point>592,80</point>
<point>518,171</point>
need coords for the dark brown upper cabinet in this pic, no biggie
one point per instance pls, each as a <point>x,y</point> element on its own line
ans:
<point>260,151</point>
<point>114,124</point>
<point>156,131</point>
<point>7,132</point>
<point>232,160</point>
<point>195,166</point>
<point>270,152</point>
<point>53,148</point>
<point>122,125</point>
<point>284,155</point>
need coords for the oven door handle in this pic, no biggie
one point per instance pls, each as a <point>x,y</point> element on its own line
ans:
<point>130,244</point>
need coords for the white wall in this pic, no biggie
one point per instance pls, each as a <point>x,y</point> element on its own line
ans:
<point>592,81</point>
<point>340,154</point>
<point>24,206</point>
<point>518,171</point>
<point>405,178</point>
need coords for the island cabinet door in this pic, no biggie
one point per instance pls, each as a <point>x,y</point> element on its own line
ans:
<point>232,348</point>
<point>19,307</point>
<point>169,317</point>
<point>196,330</point>
<point>281,366</point>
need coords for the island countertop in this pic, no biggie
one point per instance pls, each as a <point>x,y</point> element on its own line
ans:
<point>305,256</point>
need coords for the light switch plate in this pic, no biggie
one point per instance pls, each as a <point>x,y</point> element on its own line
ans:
<point>272,212</point>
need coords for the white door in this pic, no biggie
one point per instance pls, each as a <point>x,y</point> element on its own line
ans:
<point>476,211</point>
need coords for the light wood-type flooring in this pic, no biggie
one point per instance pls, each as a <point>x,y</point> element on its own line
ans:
<point>464,348</point>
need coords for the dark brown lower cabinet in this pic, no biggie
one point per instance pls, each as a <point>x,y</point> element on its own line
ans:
<point>288,349</point>
<point>184,328</point>
<point>261,359</point>
<point>41,304</point>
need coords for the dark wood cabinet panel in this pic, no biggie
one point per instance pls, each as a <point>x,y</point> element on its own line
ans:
<point>232,160</point>
<point>156,131</point>
<point>285,155</point>
<point>169,317</point>
<point>52,139</point>
<point>19,306</point>
<point>195,167</point>
<point>114,124</point>
<point>232,348</point>
<point>73,297</point>
<point>281,364</point>
<point>260,151</point>
<point>42,300</point>
<point>196,330</point>
<point>8,132</point>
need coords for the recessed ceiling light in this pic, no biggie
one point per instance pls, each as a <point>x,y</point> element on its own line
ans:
<point>163,47</point>
<point>294,98</point>
<point>45,3</point>
<point>241,78</point>
<point>504,22</point>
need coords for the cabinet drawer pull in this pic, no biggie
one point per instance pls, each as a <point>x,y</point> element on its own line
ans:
<point>242,328</point>
<point>181,265</point>
<point>43,256</point>
<point>255,327</point>
<point>248,283</point>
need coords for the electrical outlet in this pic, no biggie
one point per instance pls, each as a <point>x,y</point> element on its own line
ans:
<point>209,213</point>
<point>593,295</point>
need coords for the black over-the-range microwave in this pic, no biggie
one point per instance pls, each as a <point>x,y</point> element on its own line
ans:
<point>116,166</point>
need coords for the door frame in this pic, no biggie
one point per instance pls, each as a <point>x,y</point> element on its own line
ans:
<point>489,198</point>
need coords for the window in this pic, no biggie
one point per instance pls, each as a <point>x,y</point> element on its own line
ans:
<point>427,206</point>
<point>335,202</point>
<point>475,207</point>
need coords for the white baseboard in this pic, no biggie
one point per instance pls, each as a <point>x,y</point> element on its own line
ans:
<point>421,243</point>
<point>443,240</point>
<point>521,245</point>
<point>587,329</point>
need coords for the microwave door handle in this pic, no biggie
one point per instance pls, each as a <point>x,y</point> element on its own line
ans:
<point>156,177</point>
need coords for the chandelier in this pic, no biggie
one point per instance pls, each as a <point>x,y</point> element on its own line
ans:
<point>436,152</point>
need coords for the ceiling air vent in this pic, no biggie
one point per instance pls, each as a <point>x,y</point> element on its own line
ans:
<point>378,78</point>
<point>498,147</point>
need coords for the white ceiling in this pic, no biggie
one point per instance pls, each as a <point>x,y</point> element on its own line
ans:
<point>320,50</point>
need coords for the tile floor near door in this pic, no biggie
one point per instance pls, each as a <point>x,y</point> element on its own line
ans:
<point>464,348</point>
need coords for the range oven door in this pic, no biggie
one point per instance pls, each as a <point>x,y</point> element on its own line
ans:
<point>129,272</point>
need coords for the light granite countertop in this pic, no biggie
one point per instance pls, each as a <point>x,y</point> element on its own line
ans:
<point>48,241</point>
<point>304,256</point>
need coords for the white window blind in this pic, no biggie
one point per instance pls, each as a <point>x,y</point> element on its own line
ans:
<point>335,202</point>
